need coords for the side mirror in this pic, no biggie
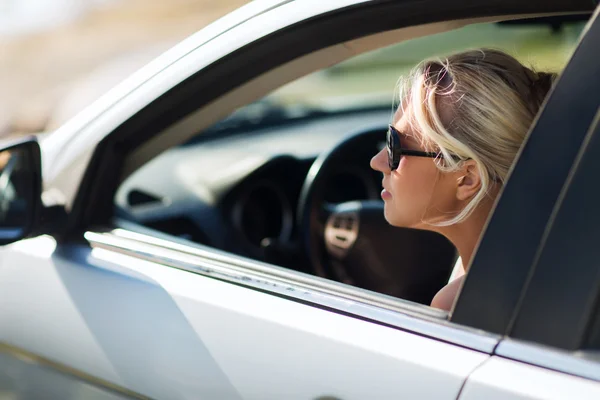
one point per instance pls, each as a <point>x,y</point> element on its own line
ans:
<point>20,189</point>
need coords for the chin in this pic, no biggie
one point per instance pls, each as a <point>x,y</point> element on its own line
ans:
<point>390,217</point>
<point>399,221</point>
<point>386,214</point>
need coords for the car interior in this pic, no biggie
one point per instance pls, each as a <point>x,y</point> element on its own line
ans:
<point>278,170</point>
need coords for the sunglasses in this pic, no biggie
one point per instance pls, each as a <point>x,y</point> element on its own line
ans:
<point>395,150</point>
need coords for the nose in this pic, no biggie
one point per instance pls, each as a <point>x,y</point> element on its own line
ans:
<point>379,162</point>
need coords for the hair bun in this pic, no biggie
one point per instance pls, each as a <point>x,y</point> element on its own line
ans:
<point>541,85</point>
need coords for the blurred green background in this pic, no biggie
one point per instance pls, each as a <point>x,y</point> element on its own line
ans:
<point>373,77</point>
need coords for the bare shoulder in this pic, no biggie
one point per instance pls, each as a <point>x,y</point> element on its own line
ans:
<point>444,299</point>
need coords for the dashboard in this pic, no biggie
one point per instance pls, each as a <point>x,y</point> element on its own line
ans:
<point>240,192</point>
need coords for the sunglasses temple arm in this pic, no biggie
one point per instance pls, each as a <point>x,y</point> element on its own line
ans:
<point>417,153</point>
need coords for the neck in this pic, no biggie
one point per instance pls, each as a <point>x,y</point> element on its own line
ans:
<point>465,235</point>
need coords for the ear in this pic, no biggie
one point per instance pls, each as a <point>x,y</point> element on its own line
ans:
<point>469,181</point>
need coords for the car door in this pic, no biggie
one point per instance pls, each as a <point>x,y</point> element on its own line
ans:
<point>156,317</point>
<point>188,325</point>
<point>551,351</point>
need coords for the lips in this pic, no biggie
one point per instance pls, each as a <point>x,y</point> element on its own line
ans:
<point>385,194</point>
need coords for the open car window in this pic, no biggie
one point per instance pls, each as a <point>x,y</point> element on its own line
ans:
<point>236,186</point>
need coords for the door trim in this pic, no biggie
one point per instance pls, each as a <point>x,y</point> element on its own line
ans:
<point>294,286</point>
<point>578,363</point>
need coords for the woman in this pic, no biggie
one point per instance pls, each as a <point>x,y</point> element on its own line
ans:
<point>455,134</point>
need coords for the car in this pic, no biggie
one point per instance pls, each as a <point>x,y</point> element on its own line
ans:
<point>210,228</point>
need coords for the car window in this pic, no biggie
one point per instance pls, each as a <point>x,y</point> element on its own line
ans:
<point>236,185</point>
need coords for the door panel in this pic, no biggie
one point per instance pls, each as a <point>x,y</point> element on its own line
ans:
<point>167,333</point>
<point>502,379</point>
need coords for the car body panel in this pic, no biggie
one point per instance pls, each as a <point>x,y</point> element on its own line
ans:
<point>499,378</point>
<point>147,244</point>
<point>167,333</point>
<point>583,363</point>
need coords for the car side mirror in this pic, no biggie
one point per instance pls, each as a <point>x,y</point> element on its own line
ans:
<point>20,189</point>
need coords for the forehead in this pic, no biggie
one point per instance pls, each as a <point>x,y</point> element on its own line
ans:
<point>401,121</point>
<point>409,130</point>
<point>397,115</point>
<point>405,121</point>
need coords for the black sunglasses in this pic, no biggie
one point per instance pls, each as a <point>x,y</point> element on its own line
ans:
<point>395,150</point>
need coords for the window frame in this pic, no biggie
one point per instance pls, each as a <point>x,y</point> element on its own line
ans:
<point>94,201</point>
<point>147,244</point>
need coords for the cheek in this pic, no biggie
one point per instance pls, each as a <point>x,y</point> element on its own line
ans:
<point>444,194</point>
<point>413,176</point>
<point>412,185</point>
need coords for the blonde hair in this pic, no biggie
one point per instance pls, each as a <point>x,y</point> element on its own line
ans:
<point>476,105</point>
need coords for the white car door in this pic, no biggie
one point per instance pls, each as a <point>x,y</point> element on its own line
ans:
<point>176,323</point>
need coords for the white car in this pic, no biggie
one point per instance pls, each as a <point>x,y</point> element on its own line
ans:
<point>210,229</point>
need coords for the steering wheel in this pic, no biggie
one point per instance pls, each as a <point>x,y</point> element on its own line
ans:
<point>352,242</point>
